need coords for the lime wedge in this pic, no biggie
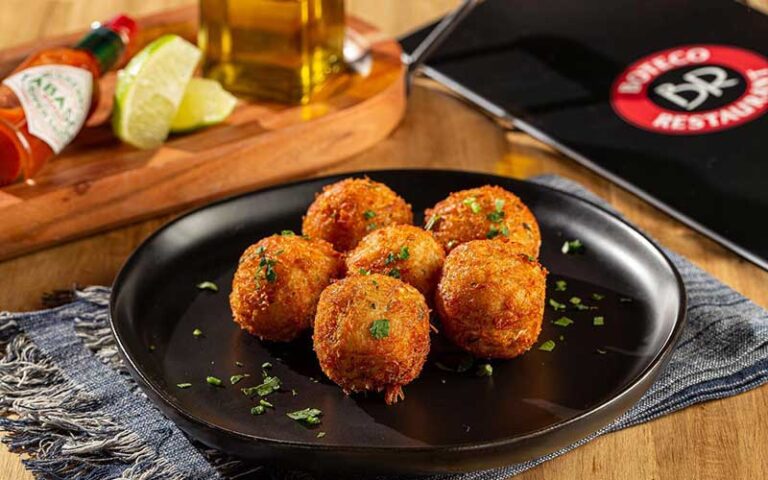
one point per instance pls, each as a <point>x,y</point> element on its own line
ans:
<point>149,90</point>
<point>204,103</point>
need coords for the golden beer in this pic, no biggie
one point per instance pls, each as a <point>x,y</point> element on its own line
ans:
<point>281,50</point>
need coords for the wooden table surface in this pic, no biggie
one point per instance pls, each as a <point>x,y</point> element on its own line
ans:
<point>719,439</point>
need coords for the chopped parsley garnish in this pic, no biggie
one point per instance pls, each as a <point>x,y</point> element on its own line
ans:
<point>494,232</point>
<point>598,321</point>
<point>557,306</point>
<point>547,346</point>
<point>183,385</point>
<point>265,403</point>
<point>471,202</point>
<point>197,332</point>
<point>597,296</point>
<point>575,300</point>
<point>266,365</point>
<point>562,338</point>
<point>215,381</point>
<point>431,222</point>
<point>310,416</point>
<point>258,410</point>
<point>560,285</point>
<point>390,258</point>
<point>563,322</point>
<point>208,286</point>
<point>498,203</point>
<point>495,217</point>
<point>370,226</point>
<point>320,434</point>
<point>270,384</point>
<point>404,254</point>
<point>363,271</point>
<point>572,246</point>
<point>485,370</point>
<point>287,233</point>
<point>379,328</point>
<point>394,273</point>
<point>236,378</point>
<point>465,363</point>
<point>369,214</point>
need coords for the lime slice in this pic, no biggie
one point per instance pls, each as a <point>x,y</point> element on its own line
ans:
<point>149,90</point>
<point>204,103</point>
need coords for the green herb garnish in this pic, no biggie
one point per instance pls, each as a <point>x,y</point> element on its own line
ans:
<point>208,286</point>
<point>394,273</point>
<point>363,271</point>
<point>197,332</point>
<point>236,378</point>
<point>258,410</point>
<point>572,246</point>
<point>494,232</point>
<point>598,321</point>
<point>287,233</point>
<point>215,381</point>
<point>369,214</point>
<point>547,346</point>
<point>560,285</point>
<point>265,404</point>
<point>404,254</point>
<point>557,306</point>
<point>471,202</point>
<point>431,222</point>
<point>266,365</point>
<point>310,416</point>
<point>563,322</point>
<point>183,385</point>
<point>390,258</point>
<point>370,226</point>
<point>495,217</point>
<point>484,370</point>
<point>575,300</point>
<point>270,384</point>
<point>597,296</point>
<point>379,328</point>
<point>320,434</point>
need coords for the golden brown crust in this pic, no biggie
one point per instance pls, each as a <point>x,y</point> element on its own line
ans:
<point>491,298</point>
<point>456,222</point>
<point>403,251</point>
<point>346,211</point>
<point>351,355</point>
<point>278,306</point>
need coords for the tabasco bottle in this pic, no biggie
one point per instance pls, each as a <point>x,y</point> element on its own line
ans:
<point>46,100</point>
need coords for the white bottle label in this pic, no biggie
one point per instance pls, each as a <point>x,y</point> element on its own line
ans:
<point>55,99</point>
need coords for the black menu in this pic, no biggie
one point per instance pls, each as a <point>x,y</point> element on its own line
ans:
<point>668,98</point>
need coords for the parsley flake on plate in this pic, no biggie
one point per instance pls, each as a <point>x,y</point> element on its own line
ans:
<point>236,378</point>
<point>215,381</point>
<point>563,322</point>
<point>572,247</point>
<point>269,385</point>
<point>485,370</point>
<point>309,416</point>
<point>547,346</point>
<point>560,285</point>
<point>598,321</point>
<point>183,385</point>
<point>207,285</point>
<point>557,306</point>
<point>197,332</point>
<point>471,202</point>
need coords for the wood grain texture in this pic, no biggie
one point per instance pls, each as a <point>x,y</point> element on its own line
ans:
<point>98,183</point>
<point>720,439</point>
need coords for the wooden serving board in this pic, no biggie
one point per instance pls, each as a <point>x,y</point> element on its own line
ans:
<point>98,183</point>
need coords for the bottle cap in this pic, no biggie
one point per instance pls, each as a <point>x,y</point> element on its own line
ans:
<point>123,25</point>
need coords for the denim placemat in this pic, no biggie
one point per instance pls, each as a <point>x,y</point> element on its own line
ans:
<point>66,399</point>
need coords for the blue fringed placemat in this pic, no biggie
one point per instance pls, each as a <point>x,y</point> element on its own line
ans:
<point>66,399</point>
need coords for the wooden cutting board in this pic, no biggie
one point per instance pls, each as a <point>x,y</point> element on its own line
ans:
<point>98,183</point>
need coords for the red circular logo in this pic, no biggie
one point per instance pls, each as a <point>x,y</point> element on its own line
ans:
<point>692,89</point>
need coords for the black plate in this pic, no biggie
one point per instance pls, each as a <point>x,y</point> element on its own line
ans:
<point>532,405</point>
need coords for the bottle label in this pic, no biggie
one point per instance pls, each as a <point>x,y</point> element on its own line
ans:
<point>56,100</point>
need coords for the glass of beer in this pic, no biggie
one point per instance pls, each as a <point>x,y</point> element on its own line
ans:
<point>276,50</point>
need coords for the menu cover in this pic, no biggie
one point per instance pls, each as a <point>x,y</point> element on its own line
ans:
<point>667,98</point>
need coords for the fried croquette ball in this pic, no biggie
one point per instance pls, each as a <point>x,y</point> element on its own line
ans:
<point>400,251</point>
<point>372,334</point>
<point>483,213</point>
<point>346,211</point>
<point>491,298</point>
<point>278,283</point>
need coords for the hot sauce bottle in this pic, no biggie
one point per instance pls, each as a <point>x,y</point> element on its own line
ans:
<point>46,100</point>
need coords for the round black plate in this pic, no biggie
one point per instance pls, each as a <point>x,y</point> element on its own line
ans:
<point>531,405</point>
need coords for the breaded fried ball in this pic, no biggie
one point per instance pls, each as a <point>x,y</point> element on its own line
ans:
<point>400,251</point>
<point>278,283</point>
<point>483,213</point>
<point>491,298</point>
<point>346,211</point>
<point>372,334</point>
